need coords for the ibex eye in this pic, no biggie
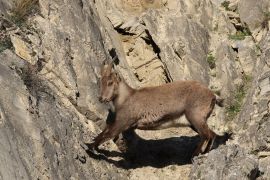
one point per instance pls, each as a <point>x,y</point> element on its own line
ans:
<point>109,83</point>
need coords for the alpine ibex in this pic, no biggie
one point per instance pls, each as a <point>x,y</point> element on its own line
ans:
<point>151,107</point>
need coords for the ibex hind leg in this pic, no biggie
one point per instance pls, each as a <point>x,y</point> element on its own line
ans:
<point>198,149</point>
<point>198,121</point>
<point>210,134</point>
<point>211,143</point>
<point>207,139</point>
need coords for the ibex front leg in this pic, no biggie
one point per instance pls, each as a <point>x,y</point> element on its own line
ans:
<point>101,138</point>
<point>111,131</point>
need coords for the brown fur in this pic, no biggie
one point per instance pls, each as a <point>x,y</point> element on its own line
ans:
<point>148,108</point>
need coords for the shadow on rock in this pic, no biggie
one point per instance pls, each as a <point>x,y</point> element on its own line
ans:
<point>154,153</point>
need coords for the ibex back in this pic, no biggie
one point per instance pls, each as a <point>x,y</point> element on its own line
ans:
<point>151,107</point>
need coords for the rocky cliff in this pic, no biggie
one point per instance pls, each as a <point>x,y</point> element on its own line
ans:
<point>50,58</point>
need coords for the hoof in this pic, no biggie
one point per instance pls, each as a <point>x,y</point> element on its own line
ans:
<point>89,147</point>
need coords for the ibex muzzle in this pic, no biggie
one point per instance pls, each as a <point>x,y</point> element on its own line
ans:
<point>151,107</point>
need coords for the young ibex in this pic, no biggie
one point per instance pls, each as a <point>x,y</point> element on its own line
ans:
<point>151,107</point>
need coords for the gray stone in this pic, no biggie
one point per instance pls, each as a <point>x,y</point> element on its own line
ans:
<point>253,12</point>
<point>227,71</point>
<point>264,168</point>
<point>247,54</point>
<point>228,162</point>
<point>254,15</point>
<point>39,135</point>
<point>5,5</point>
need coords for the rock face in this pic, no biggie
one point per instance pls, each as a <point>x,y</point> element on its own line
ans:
<point>251,127</point>
<point>49,73</point>
<point>233,163</point>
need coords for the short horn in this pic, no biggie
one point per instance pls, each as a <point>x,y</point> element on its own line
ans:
<point>114,58</point>
<point>104,62</point>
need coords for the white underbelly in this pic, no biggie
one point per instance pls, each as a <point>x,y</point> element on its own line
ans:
<point>177,122</point>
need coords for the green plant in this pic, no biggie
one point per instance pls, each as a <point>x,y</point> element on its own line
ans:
<point>5,43</point>
<point>211,60</point>
<point>235,107</point>
<point>267,15</point>
<point>247,79</point>
<point>266,19</point>
<point>23,8</point>
<point>240,35</point>
<point>226,4</point>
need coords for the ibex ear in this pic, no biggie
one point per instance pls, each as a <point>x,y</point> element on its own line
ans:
<point>110,65</point>
<point>106,69</point>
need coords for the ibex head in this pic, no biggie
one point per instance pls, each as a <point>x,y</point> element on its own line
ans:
<point>109,83</point>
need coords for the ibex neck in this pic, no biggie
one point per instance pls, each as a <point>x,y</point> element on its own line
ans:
<point>124,91</point>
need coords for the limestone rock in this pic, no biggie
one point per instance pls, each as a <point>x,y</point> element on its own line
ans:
<point>227,69</point>
<point>184,60</point>
<point>50,86</point>
<point>142,58</point>
<point>264,168</point>
<point>22,49</point>
<point>229,162</point>
<point>40,136</point>
<point>5,5</point>
<point>258,21</point>
<point>247,54</point>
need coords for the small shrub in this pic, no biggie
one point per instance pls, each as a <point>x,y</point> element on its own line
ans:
<point>23,8</point>
<point>211,60</point>
<point>226,4</point>
<point>235,107</point>
<point>247,79</point>
<point>240,35</point>
<point>266,19</point>
<point>267,15</point>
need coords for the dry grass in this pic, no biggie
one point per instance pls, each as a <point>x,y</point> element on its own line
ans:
<point>23,8</point>
<point>240,35</point>
<point>239,95</point>
<point>211,60</point>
